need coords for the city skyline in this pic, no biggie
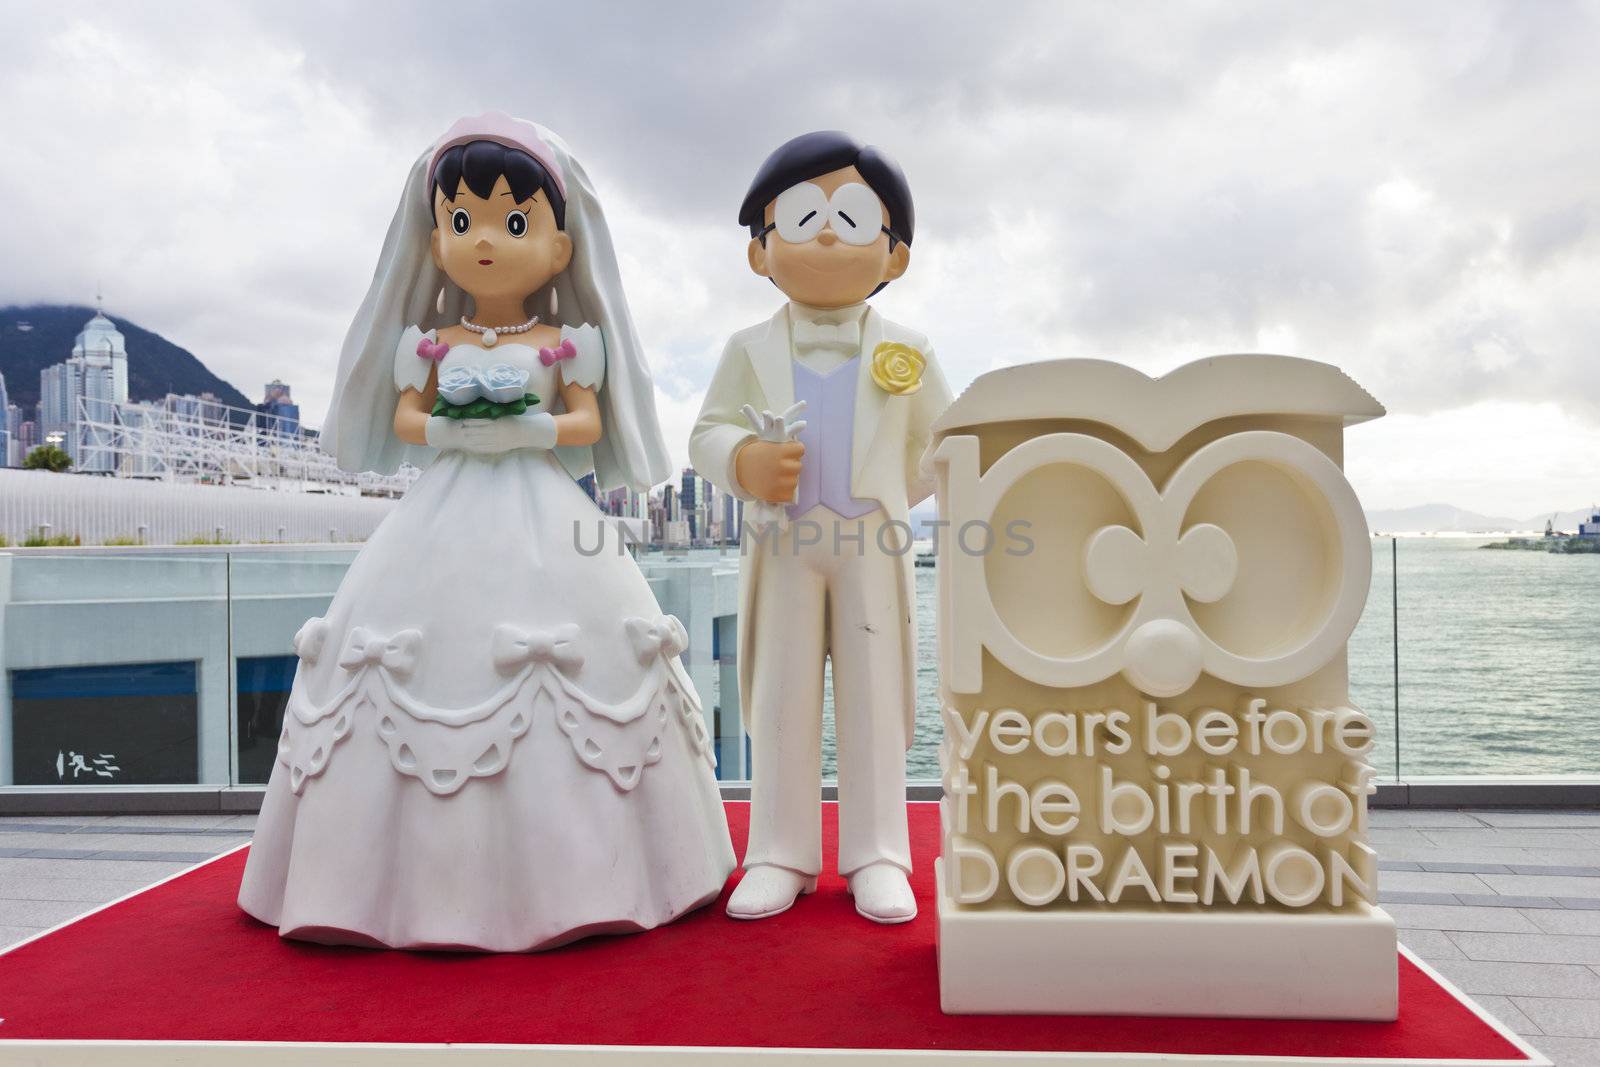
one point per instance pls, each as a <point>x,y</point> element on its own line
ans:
<point>85,409</point>
<point>674,517</point>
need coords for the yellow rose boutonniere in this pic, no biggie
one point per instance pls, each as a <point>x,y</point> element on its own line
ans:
<point>897,368</point>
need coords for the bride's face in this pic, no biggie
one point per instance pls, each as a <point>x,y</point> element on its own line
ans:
<point>496,247</point>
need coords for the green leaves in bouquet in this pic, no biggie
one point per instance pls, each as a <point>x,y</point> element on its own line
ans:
<point>484,409</point>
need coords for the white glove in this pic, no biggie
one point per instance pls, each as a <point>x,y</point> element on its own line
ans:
<point>776,429</point>
<point>536,429</point>
<point>443,433</point>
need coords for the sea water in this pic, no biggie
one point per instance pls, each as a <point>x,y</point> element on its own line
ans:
<point>1499,662</point>
<point>1499,659</point>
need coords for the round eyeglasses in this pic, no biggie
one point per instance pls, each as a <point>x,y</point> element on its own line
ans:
<point>853,212</point>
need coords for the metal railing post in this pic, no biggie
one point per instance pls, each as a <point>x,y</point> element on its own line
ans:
<point>1394,606</point>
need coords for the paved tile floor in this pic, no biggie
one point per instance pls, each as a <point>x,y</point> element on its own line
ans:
<point>1506,904</point>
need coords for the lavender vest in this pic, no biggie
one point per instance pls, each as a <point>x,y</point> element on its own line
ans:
<point>829,438</point>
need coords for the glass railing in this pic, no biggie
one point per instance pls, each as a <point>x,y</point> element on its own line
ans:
<point>162,667</point>
<point>152,666</point>
<point>1478,662</point>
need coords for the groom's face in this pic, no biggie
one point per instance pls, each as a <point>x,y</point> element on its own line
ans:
<point>827,247</point>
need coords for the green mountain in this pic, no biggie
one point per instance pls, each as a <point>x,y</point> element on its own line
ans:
<point>40,335</point>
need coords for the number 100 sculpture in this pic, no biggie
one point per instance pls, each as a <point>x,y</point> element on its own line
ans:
<point>1155,780</point>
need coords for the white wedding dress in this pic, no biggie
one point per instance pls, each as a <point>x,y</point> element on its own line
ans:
<point>490,743</point>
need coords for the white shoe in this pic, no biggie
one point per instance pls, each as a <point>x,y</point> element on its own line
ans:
<point>883,894</point>
<point>765,891</point>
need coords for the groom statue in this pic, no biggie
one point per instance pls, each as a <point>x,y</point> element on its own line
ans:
<point>830,224</point>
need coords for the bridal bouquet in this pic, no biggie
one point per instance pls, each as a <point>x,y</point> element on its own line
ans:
<point>483,392</point>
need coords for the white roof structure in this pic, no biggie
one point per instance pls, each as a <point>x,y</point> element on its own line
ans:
<point>1158,412</point>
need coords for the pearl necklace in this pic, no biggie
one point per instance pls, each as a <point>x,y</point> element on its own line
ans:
<point>491,334</point>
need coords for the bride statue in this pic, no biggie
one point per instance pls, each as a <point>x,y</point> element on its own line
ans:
<point>490,742</point>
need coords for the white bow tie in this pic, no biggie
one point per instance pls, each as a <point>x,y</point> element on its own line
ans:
<point>845,336</point>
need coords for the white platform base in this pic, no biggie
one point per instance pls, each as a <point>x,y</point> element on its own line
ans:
<point>1239,964</point>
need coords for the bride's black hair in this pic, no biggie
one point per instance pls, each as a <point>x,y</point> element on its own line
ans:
<point>482,163</point>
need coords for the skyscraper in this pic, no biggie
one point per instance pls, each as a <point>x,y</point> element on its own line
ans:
<point>78,398</point>
<point>732,518</point>
<point>590,490</point>
<point>7,431</point>
<point>280,414</point>
<point>698,503</point>
<point>58,390</point>
<point>623,503</point>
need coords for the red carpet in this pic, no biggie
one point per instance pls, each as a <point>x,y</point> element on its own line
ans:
<point>181,962</point>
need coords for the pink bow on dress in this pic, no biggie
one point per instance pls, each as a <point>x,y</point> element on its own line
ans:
<point>565,350</point>
<point>432,349</point>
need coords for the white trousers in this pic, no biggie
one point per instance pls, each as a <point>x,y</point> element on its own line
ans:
<point>837,598</point>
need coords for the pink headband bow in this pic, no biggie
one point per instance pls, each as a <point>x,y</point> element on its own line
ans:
<point>502,129</point>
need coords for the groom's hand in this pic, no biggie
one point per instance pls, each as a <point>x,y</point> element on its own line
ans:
<point>769,470</point>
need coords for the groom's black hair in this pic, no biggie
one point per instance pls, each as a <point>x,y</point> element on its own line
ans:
<point>812,155</point>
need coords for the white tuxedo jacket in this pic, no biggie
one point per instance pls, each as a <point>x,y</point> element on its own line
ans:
<point>890,434</point>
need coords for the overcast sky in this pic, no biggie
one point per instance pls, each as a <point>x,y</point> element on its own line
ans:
<point>1408,191</point>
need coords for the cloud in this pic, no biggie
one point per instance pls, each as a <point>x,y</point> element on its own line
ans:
<point>1403,460</point>
<point>1403,190</point>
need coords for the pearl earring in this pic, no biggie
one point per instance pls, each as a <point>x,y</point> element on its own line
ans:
<point>553,302</point>
<point>438,303</point>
